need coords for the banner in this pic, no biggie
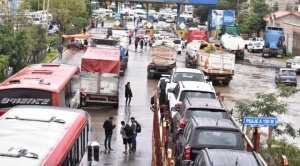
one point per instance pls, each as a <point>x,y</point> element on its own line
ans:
<point>222,17</point>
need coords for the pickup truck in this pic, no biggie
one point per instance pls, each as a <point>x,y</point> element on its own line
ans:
<point>254,39</point>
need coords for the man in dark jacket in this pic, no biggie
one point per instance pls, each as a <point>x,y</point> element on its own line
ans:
<point>108,126</point>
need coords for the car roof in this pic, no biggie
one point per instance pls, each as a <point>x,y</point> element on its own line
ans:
<point>233,157</point>
<point>287,69</point>
<point>181,69</point>
<point>204,122</point>
<point>194,102</point>
<point>196,86</point>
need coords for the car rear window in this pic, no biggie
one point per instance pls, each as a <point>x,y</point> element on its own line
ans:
<point>177,41</point>
<point>296,60</point>
<point>219,138</point>
<point>288,72</point>
<point>220,114</point>
<point>199,94</point>
<point>181,76</point>
<point>257,44</point>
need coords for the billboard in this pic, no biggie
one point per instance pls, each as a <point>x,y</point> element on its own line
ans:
<point>222,17</point>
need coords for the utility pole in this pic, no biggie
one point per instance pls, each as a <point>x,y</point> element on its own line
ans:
<point>47,26</point>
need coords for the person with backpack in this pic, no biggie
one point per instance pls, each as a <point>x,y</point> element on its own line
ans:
<point>126,132</point>
<point>108,126</point>
<point>136,127</point>
<point>136,43</point>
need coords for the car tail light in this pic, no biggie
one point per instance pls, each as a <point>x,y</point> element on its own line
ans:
<point>182,124</point>
<point>178,105</point>
<point>187,152</point>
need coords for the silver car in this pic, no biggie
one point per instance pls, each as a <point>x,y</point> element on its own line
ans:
<point>286,76</point>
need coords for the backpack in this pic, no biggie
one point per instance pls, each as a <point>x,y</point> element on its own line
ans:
<point>128,130</point>
<point>138,128</point>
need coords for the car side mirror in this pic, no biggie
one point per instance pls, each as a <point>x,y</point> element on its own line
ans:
<point>174,109</point>
<point>170,90</point>
<point>206,77</point>
<point>179,131</point>
<point>186,163</point>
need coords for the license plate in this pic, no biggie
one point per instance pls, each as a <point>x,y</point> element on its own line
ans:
<point>98,97</point>
<point>287,80</point>
<point>220,78</point>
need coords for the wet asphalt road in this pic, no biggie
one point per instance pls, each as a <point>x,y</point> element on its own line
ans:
<point>247,81</point>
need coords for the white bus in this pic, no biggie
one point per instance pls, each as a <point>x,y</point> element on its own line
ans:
<point>46,135</point>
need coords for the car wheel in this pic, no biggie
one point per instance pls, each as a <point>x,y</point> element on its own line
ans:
<point>295,84</point>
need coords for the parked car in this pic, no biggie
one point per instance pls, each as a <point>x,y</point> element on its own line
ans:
<point>211,133</point>
<point>216,156</point>
<point>294,63</point>
<point>184,74</point>
<point>185,89</point>
<point>157,34</point>
<point>198,107</point>
<point>255,47</point>
<point>286,76</point>
<point>141,33</point>
<point>170,19</point>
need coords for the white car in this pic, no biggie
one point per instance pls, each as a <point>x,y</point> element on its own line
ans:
<point>157,34</point>
<point>183,74</point>
<point>185,89</point>
<point>170,19</point>
<point>178,42</point>
<point>255,47</point>
<point>295,64</point>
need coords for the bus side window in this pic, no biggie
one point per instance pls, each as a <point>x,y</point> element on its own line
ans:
<point>62,97</point>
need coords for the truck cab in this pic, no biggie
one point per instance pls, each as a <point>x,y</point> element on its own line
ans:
<point>274,38</point>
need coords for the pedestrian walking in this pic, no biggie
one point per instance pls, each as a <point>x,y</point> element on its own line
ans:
<point>102,23</point>
<point>128,93</point>
<point>133,138</point>
<point>136,43</point>
<point>97,23</point>
<point>84,30</point>
<point>284,50</point>
<point>108,126</point>
<point>142,44</point>
<point>126,132</point>
<point>60,50</point>
<point>134,20</point>
<point>135,30</point>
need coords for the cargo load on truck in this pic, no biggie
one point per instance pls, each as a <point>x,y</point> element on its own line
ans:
<point>197,35</point>
<point>216,63</point>
<point>113,43</point>
<point>274,38</point>
<point>99,82</point>
<point>232,42</point>
<point>162,59</point>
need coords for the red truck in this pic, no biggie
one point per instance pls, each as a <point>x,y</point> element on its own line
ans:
<point>197,35</point>
<point>99,76</point>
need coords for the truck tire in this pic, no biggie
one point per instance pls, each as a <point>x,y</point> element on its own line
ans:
<point>116,105</point>
<point>225,83</point>
<point>242,56</point>
<point>150,75</point>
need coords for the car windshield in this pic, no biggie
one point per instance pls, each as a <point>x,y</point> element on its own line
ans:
<point>140,32</point>
<point>36,19</point>
<point>257,44</point>
<point>177,41</point>
<point>220,114</point>
<point>288,72</point>
<point>217,138</point>
<point>296,60</point>
<point>198,94</point>
<point>181,76</point>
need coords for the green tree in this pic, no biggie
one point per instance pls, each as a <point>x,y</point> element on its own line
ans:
<point>267,105</point>
<point>157,6</point>
<point>251,24</point>
<point>20,48</point>
<point>66,11</point>
<point>52,41</point>
<point>39,43</point>
<point>275,8</point>
<point>289,6</point>
<point>3,66</point>
<point>202,13</point>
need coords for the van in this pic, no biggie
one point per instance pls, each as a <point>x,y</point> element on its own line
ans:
<point>37,20</point>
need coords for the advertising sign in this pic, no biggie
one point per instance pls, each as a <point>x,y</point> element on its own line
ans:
<point>222,17</point>
<point>118,16</point>
<point>162,55</point>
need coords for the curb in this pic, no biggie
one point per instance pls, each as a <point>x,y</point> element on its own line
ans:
<point>53,58</point>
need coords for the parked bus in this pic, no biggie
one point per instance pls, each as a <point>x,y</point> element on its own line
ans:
<point>42,84</point>
<point>48,136</point>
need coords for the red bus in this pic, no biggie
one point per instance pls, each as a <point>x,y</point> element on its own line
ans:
<point>42,84</point>
<point>48,136</point>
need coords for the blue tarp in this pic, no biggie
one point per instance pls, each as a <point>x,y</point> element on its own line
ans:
<point>122,51</point>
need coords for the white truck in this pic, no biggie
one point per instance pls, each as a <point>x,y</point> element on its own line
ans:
<point>254,39</point>
<point>217,64</point>
<point>233,43</point>
<point>162,59</point>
